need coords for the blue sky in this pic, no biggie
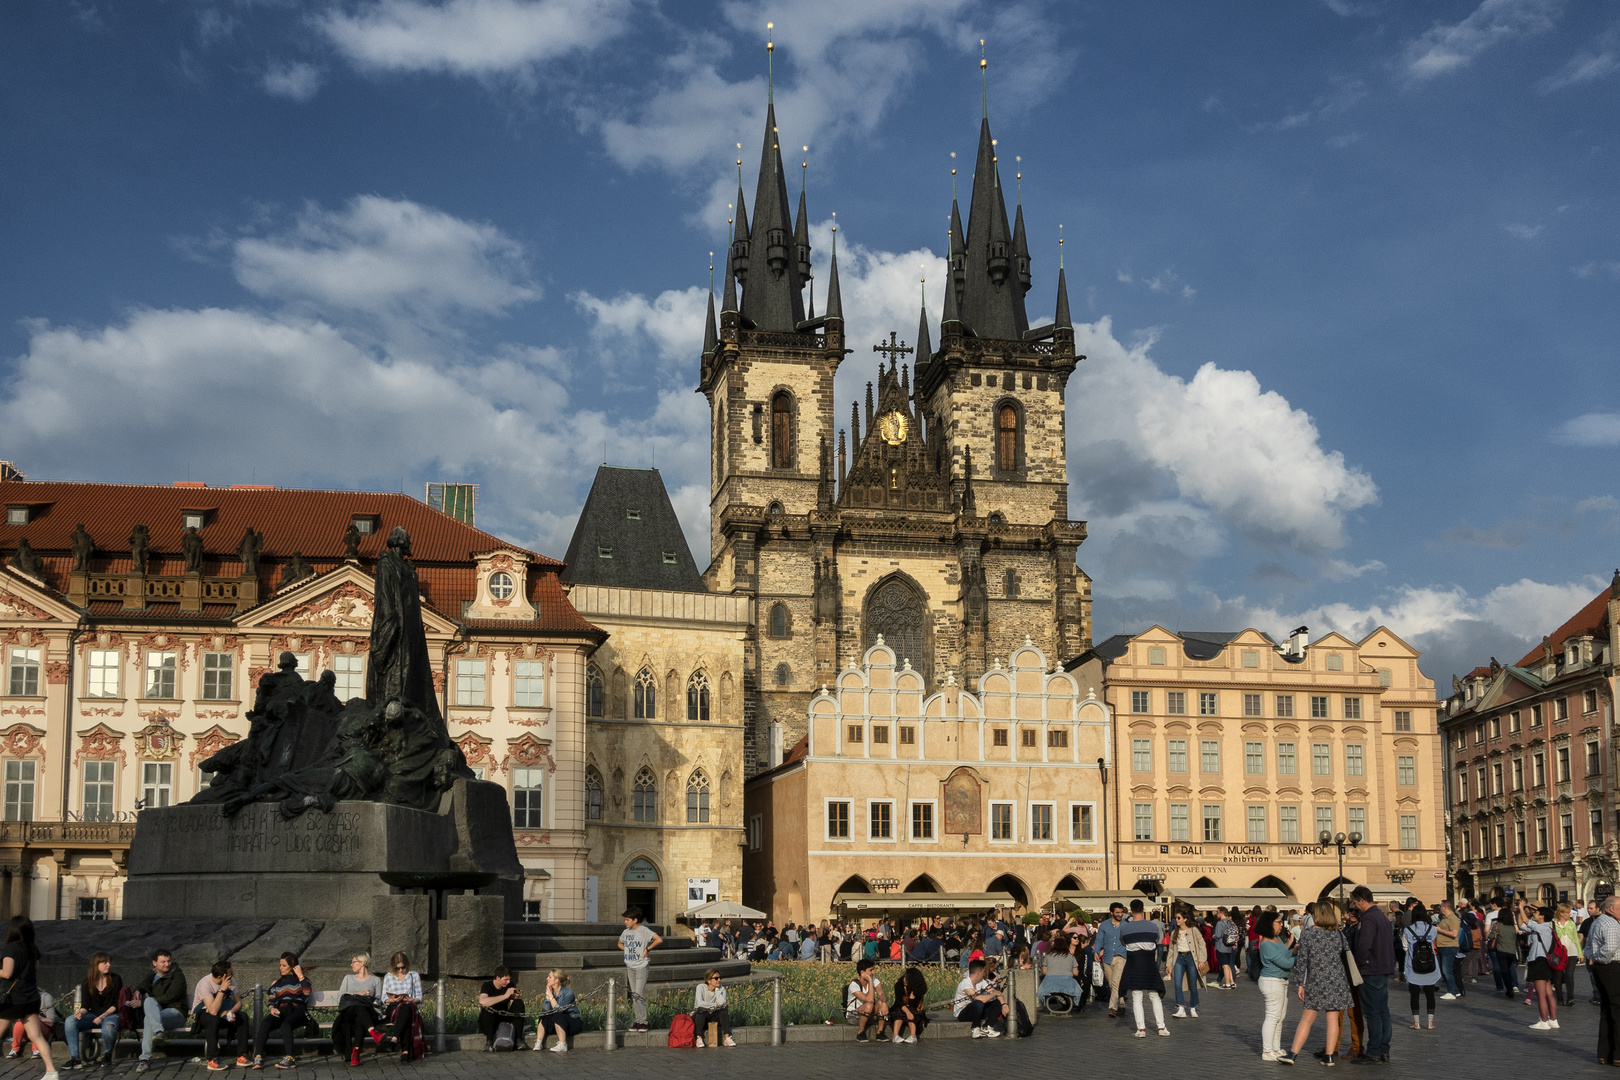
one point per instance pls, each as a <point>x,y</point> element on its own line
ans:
<point>1349,268</point>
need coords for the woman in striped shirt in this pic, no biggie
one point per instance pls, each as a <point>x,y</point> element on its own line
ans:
<point>286,1005</point>
<point>402,1000</point>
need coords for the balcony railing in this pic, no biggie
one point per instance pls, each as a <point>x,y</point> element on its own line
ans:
<point>73,833</point>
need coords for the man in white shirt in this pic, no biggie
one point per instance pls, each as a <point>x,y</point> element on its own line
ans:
<point>866,1004</point>
<point>977,1004</point>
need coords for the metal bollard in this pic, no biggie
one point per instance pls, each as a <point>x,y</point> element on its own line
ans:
<point>776,1011</point>
<point>258,1010</point>
<point>438,1034</point>
<point>612,1039</point>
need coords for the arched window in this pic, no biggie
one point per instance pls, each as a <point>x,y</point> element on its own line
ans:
<point>697,697</point>
<point>784,675</point>
<point>644,799</point>
<point>646,695</point>
<point>697,798</point>
<point>1007,438</point>
<point>782,431</point>
<point>593,692</point>
<point>779,620</point>
<point>593,794</point>
<point>895,611</point>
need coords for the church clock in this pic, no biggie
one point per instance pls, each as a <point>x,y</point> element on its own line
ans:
<point>892,427</point>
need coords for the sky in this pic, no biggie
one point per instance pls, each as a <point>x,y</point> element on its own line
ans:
<point>1347,269</point>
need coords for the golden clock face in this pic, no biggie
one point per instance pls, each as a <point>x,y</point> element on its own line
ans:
<point>892,428</point>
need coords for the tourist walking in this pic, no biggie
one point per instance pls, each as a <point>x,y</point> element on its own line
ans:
<point>1227,939</point>
<point>1187,958</point>
<point>1110,953</point>
<point>1504,938</point>
<point>1324,982</point>
<point>19,976</point>
<point>1448,929</point>
<point>1422,968</point>
<point>1534,923</point>
<point>1276,963</point>
<point>1375,958</point>
<point>1141,979</point>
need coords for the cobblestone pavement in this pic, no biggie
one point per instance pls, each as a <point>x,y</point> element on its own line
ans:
<point>1482,1035</point>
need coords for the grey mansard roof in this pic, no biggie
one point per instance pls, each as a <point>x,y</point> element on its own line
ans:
<point>629,537</point>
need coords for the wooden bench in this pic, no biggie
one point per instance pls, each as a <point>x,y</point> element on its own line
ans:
<point>319,999</point>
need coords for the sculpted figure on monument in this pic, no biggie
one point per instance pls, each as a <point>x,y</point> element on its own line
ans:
<point>27,561</point>
<point>191,546</point>
<point>83,548</point>
<point>307,750</point>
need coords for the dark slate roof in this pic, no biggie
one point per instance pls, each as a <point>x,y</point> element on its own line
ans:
<point>1204,645</point>
<point>638,544</point>
<point>1113,648</point>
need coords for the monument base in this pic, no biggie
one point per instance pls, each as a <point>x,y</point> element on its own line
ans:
<point>191,861</point>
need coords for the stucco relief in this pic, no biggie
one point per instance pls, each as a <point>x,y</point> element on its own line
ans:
<point>345,606</point>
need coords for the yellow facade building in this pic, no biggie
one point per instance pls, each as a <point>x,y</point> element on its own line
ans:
<point>1235,754</point>
<point>994,789</point>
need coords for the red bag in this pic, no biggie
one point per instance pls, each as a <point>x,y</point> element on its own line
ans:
<point>682,1032</point>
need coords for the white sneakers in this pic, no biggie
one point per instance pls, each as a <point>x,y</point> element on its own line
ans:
<point>1193,1013</point>
<point>1164,1031</point>
<point>1141,1033</point>
<point>1541,1025</point>
<point>1179,1014</point>
<point>560,1048</point>
<point>1552,1025</point>
<point>1448,997</point>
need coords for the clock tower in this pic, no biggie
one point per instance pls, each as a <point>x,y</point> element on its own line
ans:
<point>938,520</point>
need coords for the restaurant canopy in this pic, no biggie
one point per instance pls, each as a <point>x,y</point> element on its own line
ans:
<point>920,903</point>
<point>1209,899</point>
<point>1098,901</point>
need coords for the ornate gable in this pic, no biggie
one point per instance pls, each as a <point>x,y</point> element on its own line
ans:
<point>347,607</point>
<point>894,466</point>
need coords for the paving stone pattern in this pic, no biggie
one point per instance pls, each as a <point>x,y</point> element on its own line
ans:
<point>1481,1036</point>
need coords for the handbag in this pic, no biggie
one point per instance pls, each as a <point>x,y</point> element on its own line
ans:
<point>1350,969</point>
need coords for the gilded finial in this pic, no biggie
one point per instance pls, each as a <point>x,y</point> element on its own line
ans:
<point>711,272</point>
<point>984,84</point>
<point>1060,247</point>
<point>953,176</point>
<point>770,64</point>
<point>1019,175</point>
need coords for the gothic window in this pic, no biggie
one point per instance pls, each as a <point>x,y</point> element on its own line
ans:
<point>895,610</point>
<point>697,798</point>
<point>644,801</point>
<point>779,620</point>
<point>593,794</point>
<point>697,697</point>
<point>782,431</point>
<point>646,695</point>
<point>784,675</point>
<point>1010,587</point>
<point>593,692</point>
<point>1007,438</point>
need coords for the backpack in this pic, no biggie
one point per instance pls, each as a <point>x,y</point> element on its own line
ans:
<point>1558,955</point>
<point>505,1036</point>
<point>1423,956</point>
<point>682,1032</point>
<point>1025,1028</point>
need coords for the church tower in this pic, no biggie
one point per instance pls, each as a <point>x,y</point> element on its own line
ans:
<point>943,528</point>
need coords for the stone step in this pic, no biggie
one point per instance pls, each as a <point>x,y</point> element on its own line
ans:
<point>523,960</point>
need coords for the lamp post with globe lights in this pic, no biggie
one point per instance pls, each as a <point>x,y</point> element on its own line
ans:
<point>1339,840</point>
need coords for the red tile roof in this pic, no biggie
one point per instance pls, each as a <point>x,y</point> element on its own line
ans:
<point>1592,619</point>
<point>310,523</point>
<point>1479,671</point>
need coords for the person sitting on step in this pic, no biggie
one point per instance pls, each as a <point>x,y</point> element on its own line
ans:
<point>561,1016</point>
<point>359,995</point>
<point>709,1007</point>
<point>286,1009</point>
<point>500,1002</point>
<point>216,1006</point>
<point>402,1002</point>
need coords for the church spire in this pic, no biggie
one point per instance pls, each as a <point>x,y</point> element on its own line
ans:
<point>728,298</point>
<point>925,347</point>
<point>992,299</point>
<point>711,337</point>
<point>773,298</point>
<point>1062,302</point>
<point>801,229</point>
<point>1020,244</point>
<point>835,305</point>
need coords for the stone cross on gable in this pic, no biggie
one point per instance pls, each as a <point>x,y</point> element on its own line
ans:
<point>892,350</point>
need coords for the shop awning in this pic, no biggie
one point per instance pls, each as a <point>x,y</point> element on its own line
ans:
<point>1383,894</point>
<point>921,902</point>
<point>1208,899</point>
<point>1098,901</point>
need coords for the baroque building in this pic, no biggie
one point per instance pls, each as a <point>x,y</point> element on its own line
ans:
<point>663,707</point>
<point>1530,763</point>
<point>1233,754</point>
<point>938,518</point>
<point>136,622</point>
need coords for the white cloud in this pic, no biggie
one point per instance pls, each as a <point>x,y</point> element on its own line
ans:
<point>1446,48</point>
<point>1597,504</point>
<point>295,80</point>
<point>471,37</point>
<point>1591,269</point>
<point>1591,429</point>
<point>673,321</point>
<point>1340,99</point>
<point>1598,62</point>
<point>1523,232</point>
<point>1218,441</point>
<point>392,259</point>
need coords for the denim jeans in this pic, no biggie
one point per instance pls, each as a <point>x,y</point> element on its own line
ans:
<point>1505,966</point>
<point>1448,968</point>
<point>1374,995</point>
<point>1185,963</point>
<point>157,1019</point>
<point>75,1027</point>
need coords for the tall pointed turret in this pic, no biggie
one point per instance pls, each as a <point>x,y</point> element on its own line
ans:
<point>773,297</point>
<point>711,336</point>
<point>1020,251</point>
<point>925,347</point>
<point>957,255</point>
<point>728,299</point>
<point>992,300</point>
<point>1062,302</point>
<point>801,239</point>
<point>835,305</point>
<point>739,242</point>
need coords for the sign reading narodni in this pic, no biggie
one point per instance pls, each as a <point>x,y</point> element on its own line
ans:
<point>352,837</point>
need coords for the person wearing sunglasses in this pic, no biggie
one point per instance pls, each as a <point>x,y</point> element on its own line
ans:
<point>709,1001</point>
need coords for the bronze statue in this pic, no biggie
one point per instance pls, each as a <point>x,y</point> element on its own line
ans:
<point>248,551</point>
<point>399,666</point>
<point>191,546</point>
<point>140,546</point>
<point>297,570</point>
<point>83,548</point>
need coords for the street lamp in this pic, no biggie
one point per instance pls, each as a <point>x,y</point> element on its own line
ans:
<point>1156,880</point>
<point>1400,877</point>
<point>1339,840</point>
<point>1102,771</point>
<point>884,884</point>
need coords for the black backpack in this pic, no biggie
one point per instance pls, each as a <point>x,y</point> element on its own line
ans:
<point>1025,1028</point>
<point>1423,956</point>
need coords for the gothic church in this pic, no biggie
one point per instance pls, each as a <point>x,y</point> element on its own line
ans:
<point>939,518</point>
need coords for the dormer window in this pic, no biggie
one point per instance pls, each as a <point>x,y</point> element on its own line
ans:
<point>17,515</point>
<point>500,585</point>
<point>193,519</point>
<point>604,553</point>
<point>364,524</point>
<point>669,557</point>
<point>633,515</point>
